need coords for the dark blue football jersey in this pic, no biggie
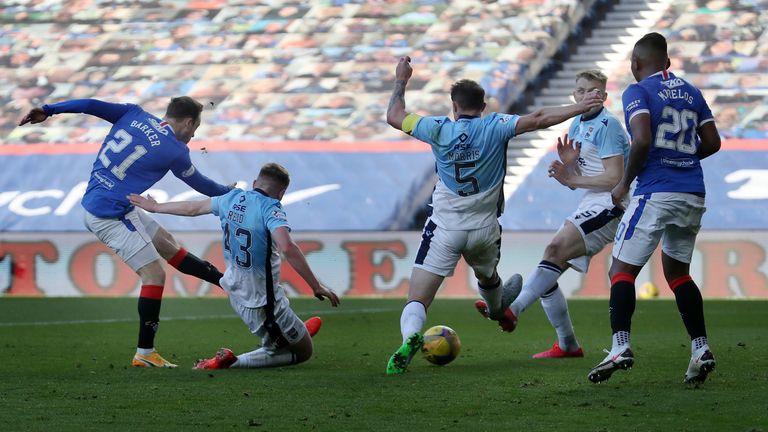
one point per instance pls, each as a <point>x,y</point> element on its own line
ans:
<point>138,151</point>
<point>677,111</point>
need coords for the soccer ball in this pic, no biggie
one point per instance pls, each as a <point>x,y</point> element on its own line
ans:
<point>441,345</point>
<point>648,290</point>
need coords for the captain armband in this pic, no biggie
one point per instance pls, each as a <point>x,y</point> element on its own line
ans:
<point>409,122</point>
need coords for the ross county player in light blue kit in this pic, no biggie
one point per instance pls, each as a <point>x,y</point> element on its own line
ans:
<point>672,130</point>
<point>470,156</point>
<point>596,164</point>
<point>138,151</point>
<point>256,232</point>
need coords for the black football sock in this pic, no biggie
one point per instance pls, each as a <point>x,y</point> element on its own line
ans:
<point>187,263</point>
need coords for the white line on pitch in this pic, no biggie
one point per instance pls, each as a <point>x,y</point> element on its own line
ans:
<point>192,317</point>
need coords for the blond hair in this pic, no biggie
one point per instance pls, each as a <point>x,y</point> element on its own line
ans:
<point>593,75</point>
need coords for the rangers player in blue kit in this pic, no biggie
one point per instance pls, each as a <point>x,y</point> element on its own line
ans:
<point>672,130</point>
<point>137,152</point>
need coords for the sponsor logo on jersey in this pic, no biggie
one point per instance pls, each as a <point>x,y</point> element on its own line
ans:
<point>277,214</point>
<point>632,105</point>
<point>109,184</point>
<point>159,127</point>
<point>189,171</point>
<point>678,163</point>
<point>674,82</point>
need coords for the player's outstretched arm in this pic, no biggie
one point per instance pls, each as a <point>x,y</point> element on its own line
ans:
<point>110,112</point>
<point>180,208</point>
<point>550,116</point>
<point>184,170</point>
<point>396,110</point>
<point>290,250</point>
<point>710,140</point>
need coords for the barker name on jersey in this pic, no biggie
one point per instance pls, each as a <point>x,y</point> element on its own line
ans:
<point>136,153</point>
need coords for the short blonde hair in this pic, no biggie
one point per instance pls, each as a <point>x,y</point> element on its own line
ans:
<point>593,75</point>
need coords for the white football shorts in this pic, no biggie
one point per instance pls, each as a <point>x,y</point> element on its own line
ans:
<point>597,225</point>
<point>130,237</point>
<point>674,218</point>
<point>441,249</point>
<point>277,329</point>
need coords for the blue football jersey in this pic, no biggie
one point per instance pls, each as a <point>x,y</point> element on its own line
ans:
<point>138,151</point>
<point>677,111</point>
<point>470,158</point>
<point>253,265</point>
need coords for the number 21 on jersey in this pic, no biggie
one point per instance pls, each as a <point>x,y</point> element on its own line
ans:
<point>117,145</point>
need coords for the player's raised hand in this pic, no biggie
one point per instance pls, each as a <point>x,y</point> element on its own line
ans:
<point>34,116</point>
<point>618,193</point>
<point>559,172</point>
<point>323,292</point>
<point>149,204</point>
<point>568,151</point>
<point>404,70</point>
<point>591,100</point>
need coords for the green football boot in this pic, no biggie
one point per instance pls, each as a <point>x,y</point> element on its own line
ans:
<point>399,361</point>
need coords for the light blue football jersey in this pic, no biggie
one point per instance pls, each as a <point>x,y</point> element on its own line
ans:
<point>677,111</point>
<point>470,157</point>
<point>601,136</point>
<point>253,264</point>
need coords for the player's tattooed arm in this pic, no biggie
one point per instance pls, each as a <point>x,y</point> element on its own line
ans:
<point>396,110</point>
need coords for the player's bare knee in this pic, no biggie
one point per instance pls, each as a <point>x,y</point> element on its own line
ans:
<point>674,269</point>
<point>165,243</point>
<point>152,274</point>
<point>554,253</point>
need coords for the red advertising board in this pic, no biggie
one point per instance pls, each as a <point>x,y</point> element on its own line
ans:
<point>725,265</point>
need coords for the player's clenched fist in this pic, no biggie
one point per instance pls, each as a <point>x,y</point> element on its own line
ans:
<point>404,70</point>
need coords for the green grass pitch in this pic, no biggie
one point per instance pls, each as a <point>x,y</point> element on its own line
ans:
<point>65,367</point>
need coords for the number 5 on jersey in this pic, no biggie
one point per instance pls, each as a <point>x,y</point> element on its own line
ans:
<point>458,166</point>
